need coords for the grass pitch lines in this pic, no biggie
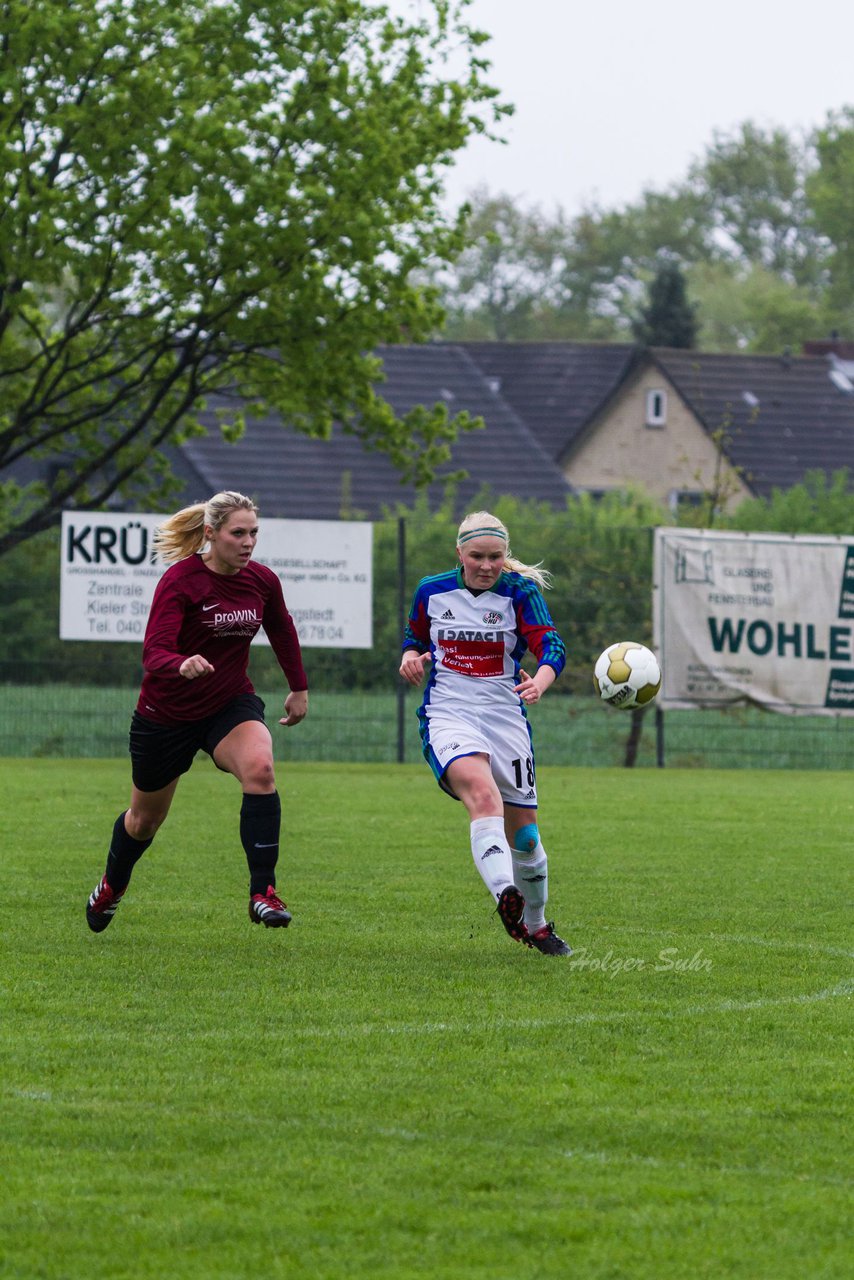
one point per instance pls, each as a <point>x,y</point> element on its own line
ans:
<point>397,1091</point>
<point>731,1171</point>
<point>499,1025</point>
<point>739,939</point>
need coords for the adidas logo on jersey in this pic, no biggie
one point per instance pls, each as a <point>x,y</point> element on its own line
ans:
<point>447,616</point>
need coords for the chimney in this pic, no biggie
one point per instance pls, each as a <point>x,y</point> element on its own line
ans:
<point>832,346</point>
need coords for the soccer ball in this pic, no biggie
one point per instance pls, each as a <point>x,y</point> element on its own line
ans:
<point>627,675</point>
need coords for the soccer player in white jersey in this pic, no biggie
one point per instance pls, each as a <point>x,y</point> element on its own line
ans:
<point>470,627</point>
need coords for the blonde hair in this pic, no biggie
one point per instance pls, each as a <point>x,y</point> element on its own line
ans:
<point>483,524</point>
<point>183,534</point>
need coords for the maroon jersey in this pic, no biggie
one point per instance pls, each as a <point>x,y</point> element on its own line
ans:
<point>195,610</point>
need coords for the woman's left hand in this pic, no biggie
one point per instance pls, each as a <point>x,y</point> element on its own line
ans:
<point>296,706</point>
<point>531,688</point>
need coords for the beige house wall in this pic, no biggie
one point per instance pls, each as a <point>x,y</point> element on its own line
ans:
<point>675,457</point>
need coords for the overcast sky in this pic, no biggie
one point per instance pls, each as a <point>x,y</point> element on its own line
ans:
<point>615,95</point>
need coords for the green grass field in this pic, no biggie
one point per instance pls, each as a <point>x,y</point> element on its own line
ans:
<point>391,1088</point>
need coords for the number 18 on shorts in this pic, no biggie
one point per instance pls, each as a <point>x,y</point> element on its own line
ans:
<point>502,734</point>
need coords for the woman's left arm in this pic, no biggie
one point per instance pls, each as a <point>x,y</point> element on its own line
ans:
<point>284,641</point>
<point>535,625</point>
<point>531,688</point>
<point>296,707</point>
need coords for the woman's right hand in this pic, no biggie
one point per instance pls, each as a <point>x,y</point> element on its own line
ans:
<point>413,666</point>
<point>195,666</point>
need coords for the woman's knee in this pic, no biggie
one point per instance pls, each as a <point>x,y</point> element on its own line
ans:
<point>482,799</point>
<point>258,774</point>
<point>144,824</point>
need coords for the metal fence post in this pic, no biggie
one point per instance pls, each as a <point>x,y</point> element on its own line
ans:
<point>402,617</point>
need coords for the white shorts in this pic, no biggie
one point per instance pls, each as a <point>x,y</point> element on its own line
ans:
<point>501,733</point>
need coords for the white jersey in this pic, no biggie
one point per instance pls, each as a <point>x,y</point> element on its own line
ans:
<point>477,641</point>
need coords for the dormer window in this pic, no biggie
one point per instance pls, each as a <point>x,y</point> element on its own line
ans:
<point>656,408</point>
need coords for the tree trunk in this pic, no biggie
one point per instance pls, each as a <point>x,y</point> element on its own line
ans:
<point>633,740</point>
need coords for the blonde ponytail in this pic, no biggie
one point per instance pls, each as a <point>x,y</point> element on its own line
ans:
<point>183,534</point>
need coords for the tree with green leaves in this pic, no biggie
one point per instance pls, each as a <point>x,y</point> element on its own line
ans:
<point>759,261</point>
<point>668,319</point>
<point>515,278</point>
<point>500,274</point>
<point>754,185</point>
<point>217,196</point>
<point>831,191</point>
<point>819,504</point>
<point>761,282</point>
<point>753,309</point>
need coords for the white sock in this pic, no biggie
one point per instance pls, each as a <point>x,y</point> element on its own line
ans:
<point>531,871</point>
<point>491,854</point>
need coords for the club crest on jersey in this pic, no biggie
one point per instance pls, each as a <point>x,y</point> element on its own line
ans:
<point>491,618</point>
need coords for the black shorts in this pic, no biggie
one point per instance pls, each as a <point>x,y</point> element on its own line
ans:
<point>160,753</point>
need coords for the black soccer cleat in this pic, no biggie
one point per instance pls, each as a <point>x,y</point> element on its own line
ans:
<point>511,908</point>
<point>101,905</point>
<point>269,910</point>
<point>547,941</point>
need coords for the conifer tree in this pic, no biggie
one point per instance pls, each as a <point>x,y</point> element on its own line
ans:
<point>668,319</point>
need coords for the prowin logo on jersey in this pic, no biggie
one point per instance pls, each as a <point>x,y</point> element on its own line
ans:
<point>233,617</point>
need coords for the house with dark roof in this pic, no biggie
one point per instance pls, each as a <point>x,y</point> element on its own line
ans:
<point>559,418</point>
<point>773,417</point>
<point>292,476</point>
<point>564,417</point>
<point>555,387</point>
<point>679,423</point>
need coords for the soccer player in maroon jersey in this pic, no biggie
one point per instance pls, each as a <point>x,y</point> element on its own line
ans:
<point>471,627</point>
<point>196,695</point>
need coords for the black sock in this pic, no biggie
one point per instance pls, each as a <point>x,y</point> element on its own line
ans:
<point>260,820</point>
<point>124,854</point>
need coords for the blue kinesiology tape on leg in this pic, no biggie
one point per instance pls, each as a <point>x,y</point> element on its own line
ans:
<point>527,838</point>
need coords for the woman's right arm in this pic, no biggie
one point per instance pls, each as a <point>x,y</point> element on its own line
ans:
<point>416,642</point>
<point>160,651</point>
<point>413,665</point>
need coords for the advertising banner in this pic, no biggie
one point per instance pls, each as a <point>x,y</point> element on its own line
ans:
<point>760,618</point>
<point>325,567</point>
